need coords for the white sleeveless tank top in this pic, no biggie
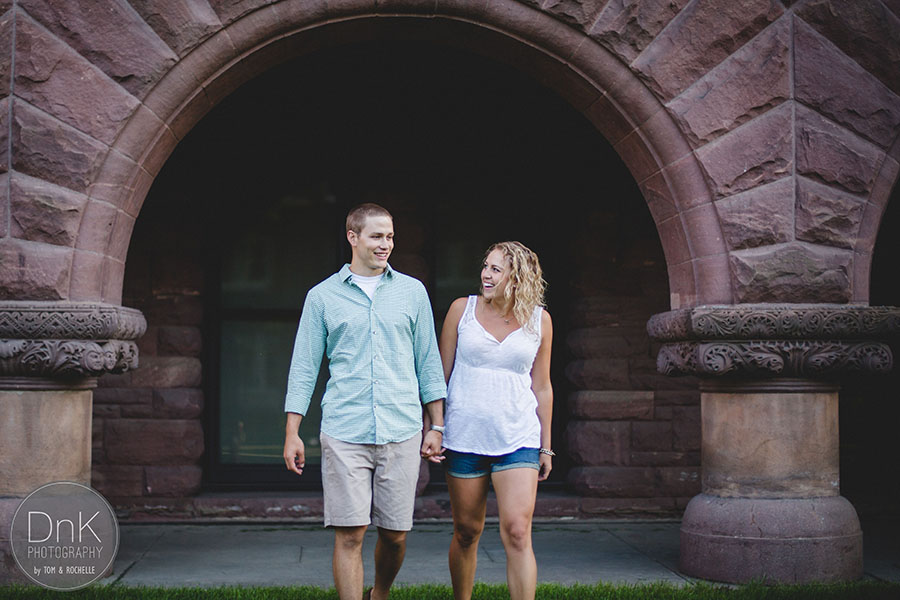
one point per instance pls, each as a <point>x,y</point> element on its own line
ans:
<point>491,409</point>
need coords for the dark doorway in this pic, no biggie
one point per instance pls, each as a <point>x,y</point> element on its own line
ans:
<point>464,151</point>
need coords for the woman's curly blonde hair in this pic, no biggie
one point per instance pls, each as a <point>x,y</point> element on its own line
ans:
<point>526,287</point>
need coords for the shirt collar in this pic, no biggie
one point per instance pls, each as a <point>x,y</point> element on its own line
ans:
<point>345,273</point>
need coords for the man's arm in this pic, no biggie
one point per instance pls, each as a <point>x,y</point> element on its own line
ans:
<point>306,360</point>
<point>294,450</point>
<point>432,440</point>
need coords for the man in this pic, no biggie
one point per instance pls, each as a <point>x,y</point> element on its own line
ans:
<point>376,328</point>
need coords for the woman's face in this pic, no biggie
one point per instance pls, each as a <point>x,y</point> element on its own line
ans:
<point>494,275</point>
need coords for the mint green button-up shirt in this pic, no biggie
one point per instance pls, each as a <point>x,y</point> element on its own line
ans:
<point>383,358</point>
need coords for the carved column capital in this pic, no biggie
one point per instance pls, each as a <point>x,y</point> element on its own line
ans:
<point>49,345</point>
<point>810,341</point>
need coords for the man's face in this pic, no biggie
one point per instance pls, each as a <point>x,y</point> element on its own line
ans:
<point>373,245</point>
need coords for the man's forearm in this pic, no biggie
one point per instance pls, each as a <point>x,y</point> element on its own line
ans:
<point>434,413</point>
<point>293,424</point>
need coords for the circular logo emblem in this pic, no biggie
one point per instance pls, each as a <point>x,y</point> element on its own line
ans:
<point>64,536</point>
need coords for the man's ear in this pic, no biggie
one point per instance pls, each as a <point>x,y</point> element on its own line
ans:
<point>352,237</point>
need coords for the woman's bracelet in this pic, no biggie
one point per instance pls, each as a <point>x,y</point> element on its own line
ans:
<point>548,452</point>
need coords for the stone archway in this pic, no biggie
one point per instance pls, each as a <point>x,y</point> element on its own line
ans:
<point>593,80</point>
<point>746,151</point>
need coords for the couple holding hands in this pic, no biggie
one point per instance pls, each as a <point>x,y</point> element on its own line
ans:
<point>491,365</point>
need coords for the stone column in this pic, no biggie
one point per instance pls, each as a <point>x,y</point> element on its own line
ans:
<point>50,357</point>
<point>770,507</point>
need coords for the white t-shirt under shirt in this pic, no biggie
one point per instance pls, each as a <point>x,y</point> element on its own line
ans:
<point>366,284</point>
<point>491,408</point>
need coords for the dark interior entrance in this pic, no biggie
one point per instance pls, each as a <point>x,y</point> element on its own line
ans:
<point>464,152</point>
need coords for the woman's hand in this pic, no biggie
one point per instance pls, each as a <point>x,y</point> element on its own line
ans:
<point>546,465</point>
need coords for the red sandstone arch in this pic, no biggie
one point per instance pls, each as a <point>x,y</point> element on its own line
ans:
<point>595,82</point>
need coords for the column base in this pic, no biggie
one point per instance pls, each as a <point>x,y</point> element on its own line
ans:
<point>738,540</point>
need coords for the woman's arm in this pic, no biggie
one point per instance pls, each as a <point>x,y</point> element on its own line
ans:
<point>543,391</point>
<point>447,343</point>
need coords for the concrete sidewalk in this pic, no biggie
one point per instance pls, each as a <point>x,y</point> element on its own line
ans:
<point>280,555</point>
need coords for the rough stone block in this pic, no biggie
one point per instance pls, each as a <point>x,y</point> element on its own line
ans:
<point>180,340</point>
<point>752,81</point>
<point>53,77</point>
<point>598,442</point>
<point>629,507</point>
<point>42,212</point>
<point>167,372</point>
<point>6,28</point>
<point>760,152</point>
<point>4,134</point>
<point>118,480</point>
<point>230,10</point>
<point>178,403</point>
<point>599,342</point>
<point>635,482</point>
<point>832,83</point>
<point>111,35</point>
<point>598,374</point>
<point>177,310</point>
<point>153,441</point>
<point>34,270</point>
<point>665,459</point>
<point>626,27</point>
<point>686,428</point>
<point>676,397</point>
<point>180,480</point>
<point>114,395</point>
<point>864,29</point>
<point>700,37</point>
<point>827,216</point>
<point>833,155</point>
<point>45,148</point>
<point>136,411</point>
<point>611,405</point>
<point>182,24</point>
<point>580,13</point>
<point>651,436</point>
<point>147,343</point>
<point>758,217</point>
<point>97,227</point>
<point>794,272</point>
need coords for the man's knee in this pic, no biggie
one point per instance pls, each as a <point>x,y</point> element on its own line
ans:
<point>349,538</point>
<point>392,539</point>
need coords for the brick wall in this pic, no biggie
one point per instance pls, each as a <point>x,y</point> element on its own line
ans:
<point>148,431</point>
<point>633,435</point>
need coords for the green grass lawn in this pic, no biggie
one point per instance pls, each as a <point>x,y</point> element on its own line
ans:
<point>868,590</point>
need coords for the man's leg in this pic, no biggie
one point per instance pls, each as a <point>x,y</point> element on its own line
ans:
<point>347,563</point>
<point>393,499</point>
<point>389,552</point>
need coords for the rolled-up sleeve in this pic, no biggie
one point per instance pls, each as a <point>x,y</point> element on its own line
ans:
<point>306,360</point>
<point>429,369</point>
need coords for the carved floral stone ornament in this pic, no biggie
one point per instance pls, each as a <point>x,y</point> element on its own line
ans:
<point>65,345</point>
<point>814,341</point>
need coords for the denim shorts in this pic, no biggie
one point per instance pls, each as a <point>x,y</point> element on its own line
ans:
<point>468,466</point>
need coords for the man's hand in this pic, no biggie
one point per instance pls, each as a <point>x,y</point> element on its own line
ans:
<point>431,446</point>
<point>294,453</point>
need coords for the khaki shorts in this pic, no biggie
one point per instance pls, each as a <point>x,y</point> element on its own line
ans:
<point>369,483</point>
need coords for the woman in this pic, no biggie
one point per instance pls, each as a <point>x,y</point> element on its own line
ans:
<point>495,348</point>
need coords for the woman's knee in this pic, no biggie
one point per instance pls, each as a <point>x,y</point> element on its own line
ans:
<point>468,533</point>
<point>516,534</point>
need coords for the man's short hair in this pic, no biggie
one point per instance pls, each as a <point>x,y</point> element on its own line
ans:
<point>356,218</point>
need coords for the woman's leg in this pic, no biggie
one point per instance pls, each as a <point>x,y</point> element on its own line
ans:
<point>516,490</point>
<point>468,500</point>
